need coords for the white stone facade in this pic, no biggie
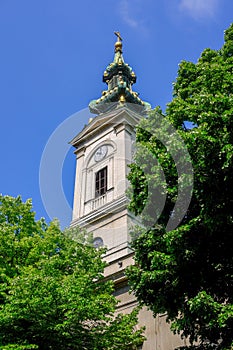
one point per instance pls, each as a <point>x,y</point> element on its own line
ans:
<point>106,215</point>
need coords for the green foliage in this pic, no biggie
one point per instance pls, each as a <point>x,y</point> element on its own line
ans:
<point>52,291</point>
<point>187,272</point>
<point>18,347</point>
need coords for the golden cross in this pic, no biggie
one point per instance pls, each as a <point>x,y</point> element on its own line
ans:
<point>118,36</point>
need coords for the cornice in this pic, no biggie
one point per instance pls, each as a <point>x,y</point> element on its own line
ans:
<point>120,116</point>
<point>115,206</point>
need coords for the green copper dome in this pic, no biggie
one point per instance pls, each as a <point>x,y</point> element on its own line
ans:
<point>119,77</point>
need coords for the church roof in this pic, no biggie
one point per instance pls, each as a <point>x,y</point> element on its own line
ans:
<point>119,77</point>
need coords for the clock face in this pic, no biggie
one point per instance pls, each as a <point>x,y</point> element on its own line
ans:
<point>100,153</point>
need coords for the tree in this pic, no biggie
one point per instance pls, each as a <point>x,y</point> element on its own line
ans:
<point>187,271</point>
<point>53,294</point>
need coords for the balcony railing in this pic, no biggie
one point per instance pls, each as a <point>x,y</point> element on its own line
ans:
<point>95,203</point>
<point>99,201</point>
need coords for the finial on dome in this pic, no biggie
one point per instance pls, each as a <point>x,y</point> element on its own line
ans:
<point>118,43</point>
<point>119,77</point>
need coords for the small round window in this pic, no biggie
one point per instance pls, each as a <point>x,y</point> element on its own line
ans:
<point>98,242</point>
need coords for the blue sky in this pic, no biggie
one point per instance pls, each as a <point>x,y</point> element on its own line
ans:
<point>53,54</point>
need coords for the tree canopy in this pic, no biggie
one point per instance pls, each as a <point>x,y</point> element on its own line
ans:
<point>52,291</point>
<point>187,271</point>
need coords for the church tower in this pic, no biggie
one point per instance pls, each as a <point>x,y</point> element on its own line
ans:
<point>104,149</point>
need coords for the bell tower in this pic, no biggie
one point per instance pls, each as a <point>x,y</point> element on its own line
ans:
<point>104,149</point>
